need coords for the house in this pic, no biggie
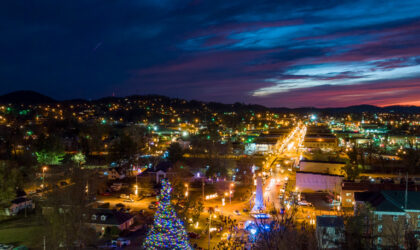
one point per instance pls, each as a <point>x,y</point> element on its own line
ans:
<point>117,173</point>
<point>102,218</point>
<point>313,182</point>
<point>394,212</point>
<point>184,144</point>
<point>327,167</point>
<point>19,204</point>
<point>161,171</point>
<point>329,231</point>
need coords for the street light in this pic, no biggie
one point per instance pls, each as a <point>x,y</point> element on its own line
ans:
<point>230,193</point>
<point>136,190</point>
<point>43,175</point>
<point>186,192</point>
<point>209,228</point>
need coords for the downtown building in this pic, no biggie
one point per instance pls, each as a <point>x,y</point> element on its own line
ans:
<point>396,214</point>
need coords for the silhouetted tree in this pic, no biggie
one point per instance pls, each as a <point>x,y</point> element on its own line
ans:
<point>175,153</point>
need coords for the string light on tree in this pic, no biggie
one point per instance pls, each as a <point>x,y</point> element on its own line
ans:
<point>168,231</point>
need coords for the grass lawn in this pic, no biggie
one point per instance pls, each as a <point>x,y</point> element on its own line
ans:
<point>21,231</point>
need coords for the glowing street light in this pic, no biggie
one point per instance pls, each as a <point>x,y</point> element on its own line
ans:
<point>230,193</point>
<point>136,190</point>
<point>186,192</point>
<point>43,174</point>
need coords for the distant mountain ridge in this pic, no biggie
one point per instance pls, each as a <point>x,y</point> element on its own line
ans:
<point>26,97</point>
<point>32,97</point>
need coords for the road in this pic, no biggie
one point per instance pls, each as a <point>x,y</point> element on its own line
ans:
<point>281,164</point>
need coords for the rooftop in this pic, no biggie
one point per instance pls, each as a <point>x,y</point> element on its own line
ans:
<point>329,221</point>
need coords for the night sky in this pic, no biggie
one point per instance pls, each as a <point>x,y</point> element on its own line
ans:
<point>275,53</point>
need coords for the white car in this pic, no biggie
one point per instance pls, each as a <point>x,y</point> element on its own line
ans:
<point>304,203</point>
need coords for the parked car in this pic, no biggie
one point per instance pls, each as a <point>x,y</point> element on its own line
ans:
<point>193,235</point>
<point>120,242</point>
<point>63,183</point>
<point>128,200</point>
<point>151,206</point>
<point>125,210</point>
<point>237,212</point>
<point>120,205</point>
<point>104,205</point>
<point>304,203</point>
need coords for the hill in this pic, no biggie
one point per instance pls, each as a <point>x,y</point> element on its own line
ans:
<point>32,97</point>
<point>26,97</point>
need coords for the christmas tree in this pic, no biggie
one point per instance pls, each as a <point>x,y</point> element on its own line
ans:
<point>168,231</point>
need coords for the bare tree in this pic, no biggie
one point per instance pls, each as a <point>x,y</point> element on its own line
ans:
<point>66,213</point>
<point>284,233</point>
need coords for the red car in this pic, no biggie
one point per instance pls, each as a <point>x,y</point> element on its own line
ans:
<point>193,235</point>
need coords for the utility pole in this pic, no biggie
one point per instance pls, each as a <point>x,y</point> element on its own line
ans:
<point>209,229</point>
<point>202,188</point>
<point>406,190</point>
<point>43,175</point>
<point>230,193</point>
<point>45,243</point>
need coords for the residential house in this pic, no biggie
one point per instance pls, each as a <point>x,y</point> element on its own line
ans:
<point>117,173</point>
<point>101,218</point>
<point>19,204</point>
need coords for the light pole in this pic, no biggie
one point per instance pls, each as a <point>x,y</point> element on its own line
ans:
<point>209,229</point>
<point>186,192</point>
<point>230,193</point>
<point>43,175</point>
<point>202,187</point>
<point>137,188</point>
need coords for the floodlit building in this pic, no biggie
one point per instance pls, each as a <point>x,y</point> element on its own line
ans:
<point>313,182</point>
<point>326,167</point>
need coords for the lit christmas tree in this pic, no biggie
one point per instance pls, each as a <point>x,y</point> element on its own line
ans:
<point>168,231</point>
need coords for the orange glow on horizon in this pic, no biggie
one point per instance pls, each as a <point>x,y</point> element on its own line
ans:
<point>409,103</point>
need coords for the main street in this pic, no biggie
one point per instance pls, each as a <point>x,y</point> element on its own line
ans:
<point>279,166</point>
